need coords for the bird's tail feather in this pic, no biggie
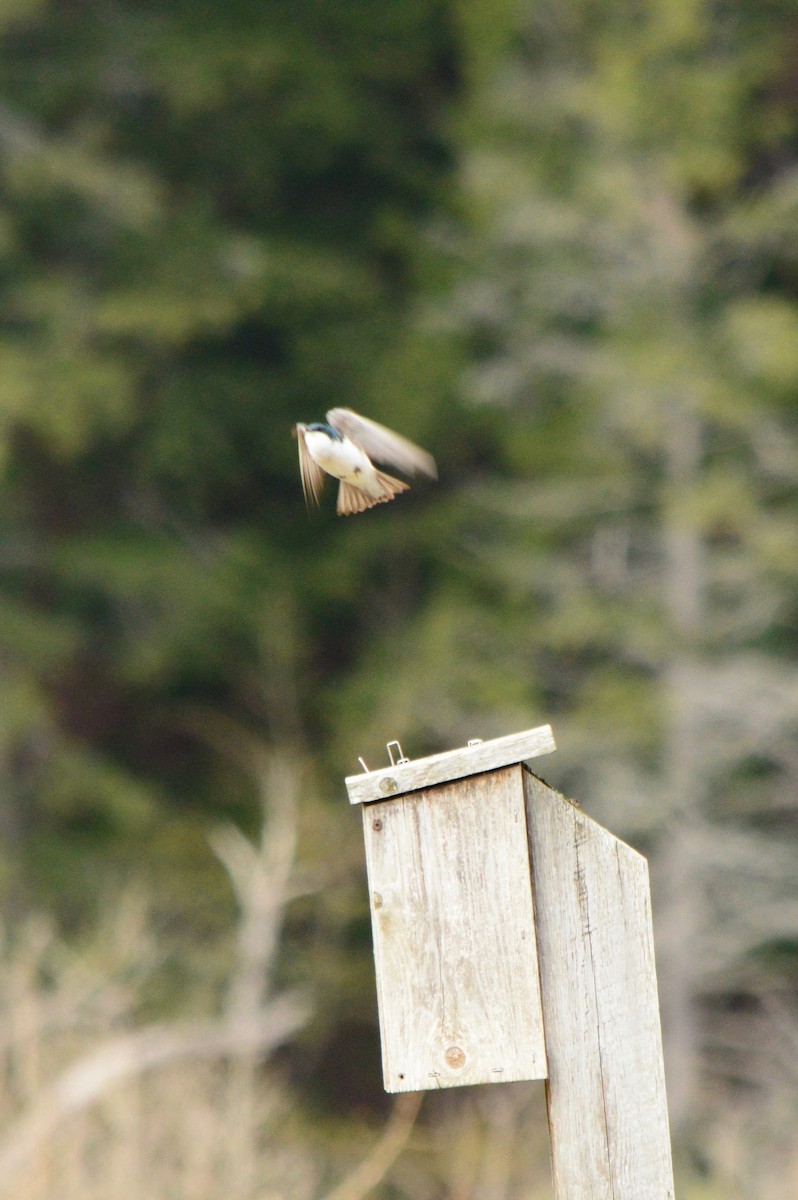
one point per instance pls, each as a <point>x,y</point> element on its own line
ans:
<point>352,500</point>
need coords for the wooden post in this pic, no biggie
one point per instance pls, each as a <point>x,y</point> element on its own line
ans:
<point>513,940</point>
<point>608,1114</point>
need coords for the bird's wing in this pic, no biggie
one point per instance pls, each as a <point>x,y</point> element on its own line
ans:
<point>382,444</point>
<point>310,471</point>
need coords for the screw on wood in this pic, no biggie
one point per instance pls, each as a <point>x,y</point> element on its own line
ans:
<point>455,1057</point>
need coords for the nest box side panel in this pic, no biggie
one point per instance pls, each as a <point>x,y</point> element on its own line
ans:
<point>608,1113</point>
<point>454,934</point>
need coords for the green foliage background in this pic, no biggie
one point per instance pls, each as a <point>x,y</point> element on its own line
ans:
<point>557,244</point>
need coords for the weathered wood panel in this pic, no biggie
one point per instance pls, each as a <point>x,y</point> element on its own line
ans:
<point>606,1090</point>
<point>452,764</point>
<point>454,935</point>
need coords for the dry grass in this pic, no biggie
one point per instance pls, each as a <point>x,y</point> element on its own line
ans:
<point>85,1112</point>
<point>220,1122</point>
<point>98,1103</point>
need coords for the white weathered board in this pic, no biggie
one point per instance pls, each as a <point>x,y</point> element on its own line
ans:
<point>418,773</point>
<point>454,934</point>
<point>608,1114</point>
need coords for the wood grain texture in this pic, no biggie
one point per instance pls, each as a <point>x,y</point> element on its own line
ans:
<point>452,764</point>
<point>606,1090</point>
<point>454,935</point>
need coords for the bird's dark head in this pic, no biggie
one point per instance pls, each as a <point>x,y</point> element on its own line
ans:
<point>320,427</point>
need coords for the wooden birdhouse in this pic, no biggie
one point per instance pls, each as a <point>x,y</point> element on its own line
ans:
<point>513,940</point>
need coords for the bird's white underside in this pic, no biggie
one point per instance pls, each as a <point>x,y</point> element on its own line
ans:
<point>345,461</point>
<point>348,459</point>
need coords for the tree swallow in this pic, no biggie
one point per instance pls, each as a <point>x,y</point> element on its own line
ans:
<point>344,448</point>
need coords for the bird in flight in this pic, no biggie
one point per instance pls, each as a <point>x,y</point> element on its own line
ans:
<point>344,448</point>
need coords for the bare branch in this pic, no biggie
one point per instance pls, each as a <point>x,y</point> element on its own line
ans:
<point>261,875</point>
<point>383,1154</point>
<point>91,1077</point>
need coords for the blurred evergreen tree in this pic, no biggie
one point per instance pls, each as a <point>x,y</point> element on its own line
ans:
<point>633,315</point>
<point>214,223</point>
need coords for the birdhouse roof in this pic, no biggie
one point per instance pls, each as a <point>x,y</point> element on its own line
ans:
<point>409,775</point>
